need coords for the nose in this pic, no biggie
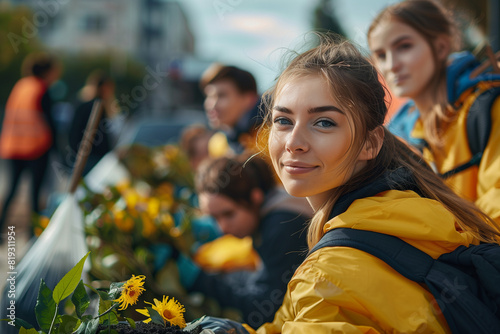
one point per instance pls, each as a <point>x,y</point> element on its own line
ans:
<point>392,62</point>
<point>296,140</point>
<point>210,103</point>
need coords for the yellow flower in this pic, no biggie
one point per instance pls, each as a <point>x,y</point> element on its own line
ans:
<point>131,291</point>
<point>124,222</point>
<point>153,207</point>
<point>148,226</point>
<point>170,310</point>
<point>123,186</point>
<point>37,231</point>
<point>166,221</point>
<point>44,221</point>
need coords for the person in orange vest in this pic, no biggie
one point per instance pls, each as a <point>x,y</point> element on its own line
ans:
<point>27,133</point>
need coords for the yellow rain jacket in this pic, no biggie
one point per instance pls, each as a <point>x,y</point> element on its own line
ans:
<point>345,290</point>
<point>480,185</point>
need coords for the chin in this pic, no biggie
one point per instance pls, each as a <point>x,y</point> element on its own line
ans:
<point>296,191</point>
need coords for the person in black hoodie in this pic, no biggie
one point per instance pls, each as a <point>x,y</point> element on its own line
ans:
<point>99,86</point>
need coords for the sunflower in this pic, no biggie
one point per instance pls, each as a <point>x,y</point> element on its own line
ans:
<point>170,310</point>
<point>131,291</point>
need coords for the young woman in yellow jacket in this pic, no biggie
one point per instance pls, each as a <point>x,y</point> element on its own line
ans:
<point>327,142</point>
<point>412,43</point>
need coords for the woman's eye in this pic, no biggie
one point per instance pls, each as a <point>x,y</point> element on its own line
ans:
<point>380,56</point>
<point>404,46</point>
<point>281,121</point>
<point>324,123</point>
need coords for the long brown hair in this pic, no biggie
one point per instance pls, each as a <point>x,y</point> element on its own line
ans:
<point>354,83</point>
<point>431,20</point>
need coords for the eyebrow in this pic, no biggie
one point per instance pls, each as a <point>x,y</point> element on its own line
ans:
<point>401,38</point>
<point>310,110</point>
<point>398,40</point>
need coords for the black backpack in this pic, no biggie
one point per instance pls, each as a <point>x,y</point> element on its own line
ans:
<point>465,282</point>
<point>478,129</point>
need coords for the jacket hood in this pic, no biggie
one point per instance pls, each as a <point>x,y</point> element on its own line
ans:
<point>391,205</point>
<point>461,65</point>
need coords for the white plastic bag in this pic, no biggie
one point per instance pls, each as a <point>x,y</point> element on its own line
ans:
<point>108,172</point>
<point>57,250</point>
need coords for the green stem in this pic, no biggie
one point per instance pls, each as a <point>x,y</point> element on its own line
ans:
<point>53,319</point>
<point>108,310</point>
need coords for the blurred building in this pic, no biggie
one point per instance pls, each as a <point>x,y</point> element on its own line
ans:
<point>156,32</point>
<point>145,28</point>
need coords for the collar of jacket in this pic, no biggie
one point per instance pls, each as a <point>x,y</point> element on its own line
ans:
<point>398,179</point>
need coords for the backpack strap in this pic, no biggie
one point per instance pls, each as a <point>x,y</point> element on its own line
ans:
<point>407,260</point>
<point>478,129</point>
<point>463,301</point>
<point>479,120</point>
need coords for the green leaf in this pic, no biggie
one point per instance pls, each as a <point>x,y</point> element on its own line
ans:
<point>27,331</point>
<point>107,315</point>
<point>88,327</point>
<point>69,282</point>
<point>104,306</point>
<point>21,323</point>
<point>131,322</point>
<point>45,307</point>
<point>115,290</point>
<point>103,295</point>
<point>80,299</point>
<point>155,316</point>
<point>68,324</point>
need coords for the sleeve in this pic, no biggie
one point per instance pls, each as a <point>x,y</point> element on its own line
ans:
<point>259,294</point>
<point>46,103</point>
<point>488,189</point>
<point>306,309</point>
<point>78,124</point>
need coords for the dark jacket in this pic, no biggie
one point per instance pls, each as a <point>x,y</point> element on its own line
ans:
<point>102,141</point>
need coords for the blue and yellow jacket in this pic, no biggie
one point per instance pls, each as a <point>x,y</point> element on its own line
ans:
<point>479,184</point>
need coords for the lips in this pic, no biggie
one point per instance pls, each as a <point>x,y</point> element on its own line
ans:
<point>398,80</point>
<point>297,167</point>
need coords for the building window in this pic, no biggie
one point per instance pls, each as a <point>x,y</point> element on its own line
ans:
<point>94,23</point>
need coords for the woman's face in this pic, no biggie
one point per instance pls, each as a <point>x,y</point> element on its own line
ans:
<point>404,57</point>
<point>310,139</point>
<point>232,217</point>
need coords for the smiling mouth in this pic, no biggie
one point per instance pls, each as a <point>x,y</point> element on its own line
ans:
<point>297,170</point>
<point>400,80</point>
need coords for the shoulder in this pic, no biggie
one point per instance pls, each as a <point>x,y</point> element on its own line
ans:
<point>403,123</point>
<point>342,268</point>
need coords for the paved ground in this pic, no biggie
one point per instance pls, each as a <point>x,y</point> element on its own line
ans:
<point>18,217</point>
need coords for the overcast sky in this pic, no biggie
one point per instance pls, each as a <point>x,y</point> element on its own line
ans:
<point>252,34</point>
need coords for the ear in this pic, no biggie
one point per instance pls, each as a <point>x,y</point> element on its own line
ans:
<point>442,47</point>
<point>257,197</point>
<point>372,145</point>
